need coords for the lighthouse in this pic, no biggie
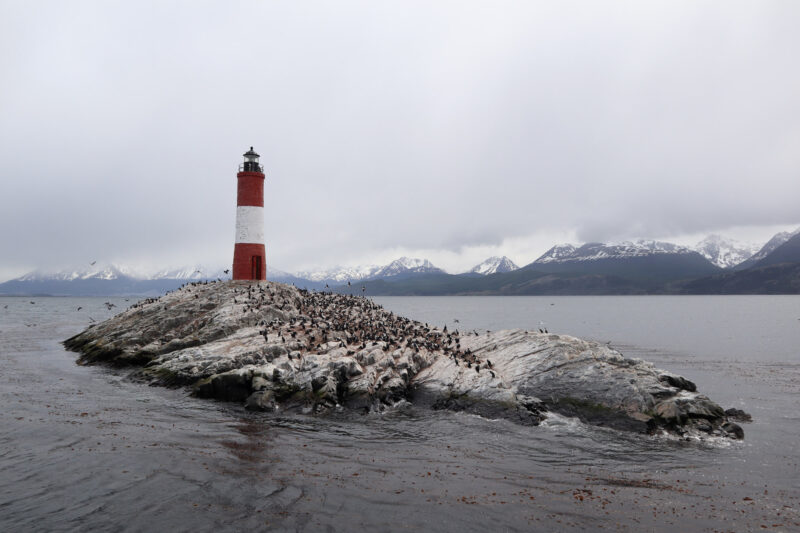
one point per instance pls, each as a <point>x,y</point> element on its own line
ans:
<point>249,257</point>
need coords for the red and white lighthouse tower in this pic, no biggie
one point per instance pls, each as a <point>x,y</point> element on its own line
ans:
<point>249,257</point>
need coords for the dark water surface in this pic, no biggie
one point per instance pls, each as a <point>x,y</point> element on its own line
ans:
<point>85,448</point>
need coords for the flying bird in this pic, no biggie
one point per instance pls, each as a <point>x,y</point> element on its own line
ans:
<point>92,263</point>
<point>79,308</point>
<point>226,271</point>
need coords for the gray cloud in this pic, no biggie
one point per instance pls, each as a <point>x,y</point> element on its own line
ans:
<point>389,125</point>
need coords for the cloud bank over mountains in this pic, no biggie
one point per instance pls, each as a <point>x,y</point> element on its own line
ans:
<point>452,131</point>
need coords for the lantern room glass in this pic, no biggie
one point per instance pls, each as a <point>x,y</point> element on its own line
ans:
<point>251,161</point>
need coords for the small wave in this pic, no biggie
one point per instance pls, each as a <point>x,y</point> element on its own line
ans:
<point>558,422</point>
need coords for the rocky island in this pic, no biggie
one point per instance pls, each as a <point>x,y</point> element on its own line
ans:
<point>276,347</point>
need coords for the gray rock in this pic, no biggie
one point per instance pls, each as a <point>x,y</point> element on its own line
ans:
<point>670,412</point>
<point>260,400</point>
<point>733,430</point>
<point>703,425</point>
<point>738,415</point>
<point>271,345</point>
<point>678,382</point>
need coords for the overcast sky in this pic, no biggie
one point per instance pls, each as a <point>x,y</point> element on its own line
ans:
<point>446,130</point>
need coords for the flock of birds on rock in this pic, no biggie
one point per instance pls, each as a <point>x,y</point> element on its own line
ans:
<point>353,322</point>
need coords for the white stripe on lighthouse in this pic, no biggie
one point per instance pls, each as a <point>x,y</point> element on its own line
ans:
<point>250,224</point>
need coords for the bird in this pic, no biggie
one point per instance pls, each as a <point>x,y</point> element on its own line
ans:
<point>32,302</point>
<point>5,307</point>
<point>455,320</point>
<point>79,308</point>
<point>226,270</point>
<point>92,263</point>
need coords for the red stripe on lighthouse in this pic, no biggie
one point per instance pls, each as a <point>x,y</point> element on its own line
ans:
<point>250,190</point>
<point>246,259</point>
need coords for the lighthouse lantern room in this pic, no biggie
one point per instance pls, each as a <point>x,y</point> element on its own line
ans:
<point>251,162</point>
<point>249,257</point>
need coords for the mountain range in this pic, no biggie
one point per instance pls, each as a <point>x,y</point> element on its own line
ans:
<point>715,265</point>
<point>106,280</point>
<point>639,267</point>
<point>773,244</point>
<point>402,268</point>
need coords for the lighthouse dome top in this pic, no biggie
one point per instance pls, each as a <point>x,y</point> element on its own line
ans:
<point>251,162</point>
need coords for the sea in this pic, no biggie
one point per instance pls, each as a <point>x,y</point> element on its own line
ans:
<point>90,449</point>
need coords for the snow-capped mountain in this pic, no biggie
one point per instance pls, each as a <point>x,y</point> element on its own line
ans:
<point>725,252</point>
<point>557,253</point>
<point>788,252</point>
<point>594,251</point>
<point>403,266</point>
<point>647,262</point>
<point>275,273</point>
<point>106,272</point>
<point>339,274</point>
<point>110,272</point>
<point>106,280</point>
<point>493,265</point>
<point>193,272</point>
<point>776,241</point>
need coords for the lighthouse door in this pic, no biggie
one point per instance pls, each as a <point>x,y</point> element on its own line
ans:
<point>255,267</point>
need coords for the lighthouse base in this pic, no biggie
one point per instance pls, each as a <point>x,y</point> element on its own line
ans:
<point>249,262</point>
